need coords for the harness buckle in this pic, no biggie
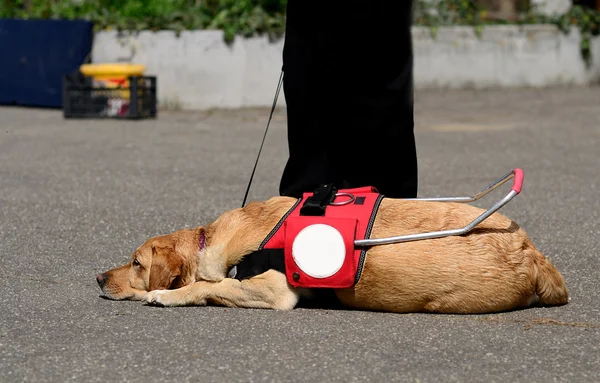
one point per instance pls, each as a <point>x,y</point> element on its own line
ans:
<point>316,204</point>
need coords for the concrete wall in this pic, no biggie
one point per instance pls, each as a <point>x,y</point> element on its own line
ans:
<point>199,71</point>
<point>552,7</point>
<point>504,56</point>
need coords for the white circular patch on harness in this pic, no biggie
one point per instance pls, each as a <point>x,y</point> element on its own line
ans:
<point>319,250</point>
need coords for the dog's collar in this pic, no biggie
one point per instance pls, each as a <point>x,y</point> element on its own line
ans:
<point>202,245</point>
<point>201,241</point>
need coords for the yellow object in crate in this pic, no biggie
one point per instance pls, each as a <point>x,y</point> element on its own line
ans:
<point>112,75</point>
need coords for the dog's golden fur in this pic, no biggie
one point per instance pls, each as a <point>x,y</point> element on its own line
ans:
<point>494,268</point>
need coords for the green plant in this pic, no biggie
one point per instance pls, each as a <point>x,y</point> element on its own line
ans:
<point>587,20</point>
<point>256,17</point>
<point>234,17</point>
<point>437,13</point>
<point>246,17</point>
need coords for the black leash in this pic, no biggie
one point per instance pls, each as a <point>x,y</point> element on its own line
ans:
<point>264,136</point>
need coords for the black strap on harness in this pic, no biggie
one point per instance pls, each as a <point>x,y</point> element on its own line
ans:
<point>316,204</point>
<point>259,262</point>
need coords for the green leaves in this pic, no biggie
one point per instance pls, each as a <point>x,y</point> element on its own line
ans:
<point>588,22</point>
<point>248,18</point>
<point>258,17</point>
<point>234,17</point>
<point>447,12</point>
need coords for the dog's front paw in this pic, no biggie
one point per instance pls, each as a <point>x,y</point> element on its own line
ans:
<point>157,298</point>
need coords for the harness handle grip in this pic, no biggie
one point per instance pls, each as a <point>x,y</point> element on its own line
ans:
<point>518,182</point>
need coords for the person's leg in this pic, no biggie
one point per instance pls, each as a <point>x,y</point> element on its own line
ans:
<point>349,95</point>
<point>307,165</point>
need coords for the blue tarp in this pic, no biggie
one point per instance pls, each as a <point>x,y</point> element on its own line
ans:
<point>35,55</point>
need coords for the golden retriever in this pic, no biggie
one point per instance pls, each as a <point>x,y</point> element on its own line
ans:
<point>494,268</point>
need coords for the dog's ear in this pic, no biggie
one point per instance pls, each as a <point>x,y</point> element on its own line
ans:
<point>185,253</point>
<point>166,266</point>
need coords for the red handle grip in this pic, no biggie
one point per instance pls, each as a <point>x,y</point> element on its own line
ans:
<point>518,182</point>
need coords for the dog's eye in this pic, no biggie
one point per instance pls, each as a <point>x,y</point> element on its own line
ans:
<point>136,262</point>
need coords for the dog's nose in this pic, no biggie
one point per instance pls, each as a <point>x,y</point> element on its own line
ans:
<point>101,279</point>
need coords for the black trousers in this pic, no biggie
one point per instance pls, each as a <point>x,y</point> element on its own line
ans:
<point>348,88</point>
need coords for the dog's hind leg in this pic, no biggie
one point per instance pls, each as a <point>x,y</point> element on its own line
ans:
<point>269,290</point>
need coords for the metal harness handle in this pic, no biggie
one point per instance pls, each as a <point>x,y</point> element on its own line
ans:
<point>516,174</point>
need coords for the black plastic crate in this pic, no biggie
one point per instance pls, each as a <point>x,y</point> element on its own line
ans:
<point>84,99</point>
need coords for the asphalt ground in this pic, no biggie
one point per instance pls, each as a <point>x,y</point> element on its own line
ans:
<point>77,197</point>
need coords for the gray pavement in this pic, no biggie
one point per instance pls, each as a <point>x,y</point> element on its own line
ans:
<point>77,197</point>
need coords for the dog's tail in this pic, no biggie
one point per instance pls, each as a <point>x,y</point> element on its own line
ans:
<point>550,284</point>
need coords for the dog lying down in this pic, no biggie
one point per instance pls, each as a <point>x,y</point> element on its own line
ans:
<point>494,268</point>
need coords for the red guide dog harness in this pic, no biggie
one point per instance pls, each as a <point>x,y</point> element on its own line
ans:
<point>313,244</point>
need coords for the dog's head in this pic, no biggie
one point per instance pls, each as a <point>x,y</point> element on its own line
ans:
<point>185,256</point>
<point>163,262</point>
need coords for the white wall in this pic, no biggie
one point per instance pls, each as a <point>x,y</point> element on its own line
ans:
<point>504,56</point>
<point>551,7</point>
<point>199,71</point>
